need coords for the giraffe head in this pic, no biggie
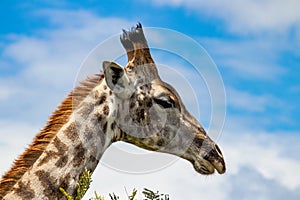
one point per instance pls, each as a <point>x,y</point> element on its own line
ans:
<point>150,113</point>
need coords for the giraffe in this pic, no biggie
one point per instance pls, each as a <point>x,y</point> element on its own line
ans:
<point>130,104</point>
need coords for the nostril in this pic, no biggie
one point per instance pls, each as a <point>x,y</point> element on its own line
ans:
<point>218,150</point>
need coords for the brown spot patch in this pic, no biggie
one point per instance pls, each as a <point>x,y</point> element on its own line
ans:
<point>198,142</point>
<point>104,127</point>
<point>93,159</point>
<point>71,131</point>
<point>65,182</point>
<point>98,118</point>
<point>48,156</point>
<point>101,100</point>
<point>113,126</point>
<point>62,161</point>
<point>106,110</point>
<point>60,146</point>
<point>132,104</point>
<point>79,155</point>
<point>50,185</point>
<point>25,191</point>
<point>160,142</point>
<point>61,150</point>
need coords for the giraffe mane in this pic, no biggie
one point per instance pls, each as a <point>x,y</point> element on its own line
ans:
<point>55,122</point>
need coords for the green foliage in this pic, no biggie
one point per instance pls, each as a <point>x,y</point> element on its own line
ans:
<point>97,197</point>
<point>134,192</point>
<point>69,197</point>
<point>84,184</point>
<point>150,195</point>
<point>113,196</point>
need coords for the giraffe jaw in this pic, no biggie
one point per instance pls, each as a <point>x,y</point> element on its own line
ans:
<point>204,167</point>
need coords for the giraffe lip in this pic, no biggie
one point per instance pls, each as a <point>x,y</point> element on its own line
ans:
<point>220,167</point>
<point>206,167</point>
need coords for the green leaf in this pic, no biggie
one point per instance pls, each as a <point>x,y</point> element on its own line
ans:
<point>150,195</point>
<point>69,197</point>
<point>113,196</point>
<point>134,192</point>
<point>83,184</point>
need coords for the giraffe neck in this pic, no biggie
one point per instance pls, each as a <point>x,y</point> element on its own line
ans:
<point>79,144</point>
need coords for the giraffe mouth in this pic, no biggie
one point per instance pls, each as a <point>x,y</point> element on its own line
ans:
<point>206,167</point>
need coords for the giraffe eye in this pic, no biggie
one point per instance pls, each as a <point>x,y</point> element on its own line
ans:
<point>164,103</point>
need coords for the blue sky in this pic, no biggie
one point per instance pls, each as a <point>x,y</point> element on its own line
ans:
<point>254,44</point>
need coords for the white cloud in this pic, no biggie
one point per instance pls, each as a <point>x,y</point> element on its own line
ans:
<point>14,138</point>
<point>50,59</point>
<point>6,93</point>
<point>258,167</point>
<point>266,153</point>
<point>245,101</point>
<point>250,184</point>
<point>58,53</point>
<point>247,59</point>
<point>246,16</point>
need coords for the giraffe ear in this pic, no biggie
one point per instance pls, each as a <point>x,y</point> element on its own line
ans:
<point>116,79</point>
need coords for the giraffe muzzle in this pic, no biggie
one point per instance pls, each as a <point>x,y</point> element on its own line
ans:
<point>219,162</point>
<point>210,162</point>
<point>206,167</point>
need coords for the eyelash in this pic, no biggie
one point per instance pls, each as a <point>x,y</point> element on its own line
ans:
<point>164,103</point>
